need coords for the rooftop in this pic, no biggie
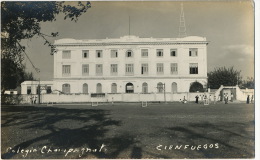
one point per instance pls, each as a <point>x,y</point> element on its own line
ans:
<point>130,39</point>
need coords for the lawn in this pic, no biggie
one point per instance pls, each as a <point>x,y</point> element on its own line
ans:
<point>127,130</point>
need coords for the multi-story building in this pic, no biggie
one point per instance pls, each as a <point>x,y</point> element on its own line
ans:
<point>129,64</point>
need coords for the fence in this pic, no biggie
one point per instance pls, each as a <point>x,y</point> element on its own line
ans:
<point>118,97</point>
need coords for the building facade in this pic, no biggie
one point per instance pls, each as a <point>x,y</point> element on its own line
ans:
<point>129,64</point>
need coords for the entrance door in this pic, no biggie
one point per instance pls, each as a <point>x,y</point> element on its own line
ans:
<point>129,88</point>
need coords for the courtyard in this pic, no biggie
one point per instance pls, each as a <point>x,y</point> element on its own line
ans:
<point>127,130</point>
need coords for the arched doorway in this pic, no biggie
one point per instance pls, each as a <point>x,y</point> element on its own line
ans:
<point>174,87</point>
<point>129,88</point>
<point>66,88</point>
<point>85,88</point>
<point>145,87</point>
<point>99,88</point>
<point>160,87</point>
<point>113,88</point>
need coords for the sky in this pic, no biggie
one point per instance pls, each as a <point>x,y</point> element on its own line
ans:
<point>227,25</point>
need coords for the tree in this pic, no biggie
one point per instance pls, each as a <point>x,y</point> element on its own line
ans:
<point>21,20</point>
<point>13,75</point>
<point>224,76</point>
<point>248,83</point>
<point>196,86</point>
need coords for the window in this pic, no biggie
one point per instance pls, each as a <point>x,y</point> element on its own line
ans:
<point>144,69</point>
<point>144,53</point>
<point>29,89</point>
<point>66,54</point>
<point>173,52</point>
<point>66,88</point>
<point>99,88</point>
<point>85,54</point>
<point>113,70</point>
<point>174,68</point>
<point>193,68</point>
<point>193,52</point>
<point>66,70</point>
<point>159,52</point>
<point>85,69</point>
<point>159,68</point>
<point>129,69</point>
<point>99,53</point>
<point>129,53</point>
<point>99,69</point>
<point>85,88</point>
<point>113,88</point>
<point>48,90</point>
<point>160,87</point>
<point>145,88</point>
<point>113,53</point>
<point>174,87</point>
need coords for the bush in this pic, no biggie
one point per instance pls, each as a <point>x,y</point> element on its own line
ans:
<point>196,86</point>
<point>11,99</point>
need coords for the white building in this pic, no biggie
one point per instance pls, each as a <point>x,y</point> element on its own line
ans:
<point>129,64</point>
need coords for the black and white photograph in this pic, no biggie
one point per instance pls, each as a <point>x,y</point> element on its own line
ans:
<point>128,79</point>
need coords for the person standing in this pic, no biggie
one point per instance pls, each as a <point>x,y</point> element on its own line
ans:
<point>231,97</point>
<point>197,99</point>
<point>214,99</point>
<point>32,99</point>
<point>225,98</point>
<point>35,99</point>
<point>247,100</point>
<point>184,100</point>
<point>252,99</point>
<point>205,99</point>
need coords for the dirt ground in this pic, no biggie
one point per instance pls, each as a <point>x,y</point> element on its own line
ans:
<point>127,130</point>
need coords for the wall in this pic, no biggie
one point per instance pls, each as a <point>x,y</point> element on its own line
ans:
<point>76,86</point>
<point>154,97</point>
<point>241,94</point>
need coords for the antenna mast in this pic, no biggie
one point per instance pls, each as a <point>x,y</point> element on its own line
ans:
<point>182,27</point>
<point>129,27</point>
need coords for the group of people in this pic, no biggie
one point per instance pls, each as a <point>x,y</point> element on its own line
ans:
<point>33,99</point>
<point>207,99</point>
<point>184,100</point>
<point>204,99</point>
<point>226,98</point>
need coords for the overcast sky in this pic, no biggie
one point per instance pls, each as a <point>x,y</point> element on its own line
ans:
<point>228,25</point>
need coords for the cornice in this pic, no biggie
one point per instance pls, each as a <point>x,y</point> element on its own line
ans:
<point>127,78</point>
<point>130,43</point>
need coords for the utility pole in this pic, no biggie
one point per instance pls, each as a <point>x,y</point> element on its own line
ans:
<point>39,92</point>
<point>129,27</point>
<point>164,93</point>
<point>162,88</point>
<point>39,86</point>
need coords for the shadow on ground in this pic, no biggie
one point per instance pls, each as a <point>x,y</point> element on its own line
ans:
<point>128,132</point>
<point>64,129</point>
<point>225,140</point>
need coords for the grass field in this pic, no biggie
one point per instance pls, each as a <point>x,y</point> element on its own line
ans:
<point>127,130</point>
